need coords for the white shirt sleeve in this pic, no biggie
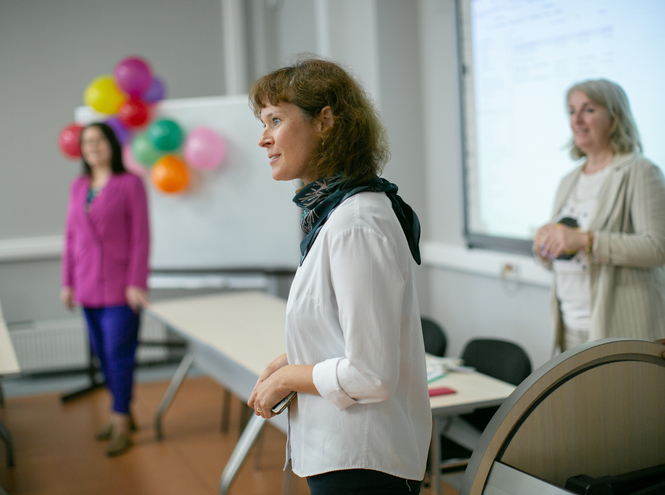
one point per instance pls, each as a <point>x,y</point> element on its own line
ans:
<point>368,288</point>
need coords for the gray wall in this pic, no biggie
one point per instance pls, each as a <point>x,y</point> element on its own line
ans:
<point>49,52</point>
<point>405,54</point>
<point>467,305</point>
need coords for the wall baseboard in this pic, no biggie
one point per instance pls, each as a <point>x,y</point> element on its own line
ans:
<point>512,268</point>
<point>31,249</point>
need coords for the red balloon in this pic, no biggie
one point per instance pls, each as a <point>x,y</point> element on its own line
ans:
<point>69,141</point>
<point>134,113</point>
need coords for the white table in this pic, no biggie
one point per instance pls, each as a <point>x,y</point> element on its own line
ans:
<point>8,366</point>
<point>473,391</point>
<point>233,336</point>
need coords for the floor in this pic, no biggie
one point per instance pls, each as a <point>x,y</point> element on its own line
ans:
<point>56,454</point>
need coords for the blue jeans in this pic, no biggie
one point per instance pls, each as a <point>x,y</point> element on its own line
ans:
<point>361,482</point>
<point>113,335</point>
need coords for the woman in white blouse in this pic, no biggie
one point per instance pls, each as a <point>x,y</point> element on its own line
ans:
<point>361,422</point>
<point>606,241</point>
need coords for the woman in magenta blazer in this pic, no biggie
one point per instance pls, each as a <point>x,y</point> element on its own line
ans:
<point>105,267</point>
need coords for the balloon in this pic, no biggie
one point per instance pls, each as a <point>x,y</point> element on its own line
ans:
<point>130,163</point>
<point>133,75</point>
<point>134,113</point>
<point>143,150</point>
<point>123,134</point>
<point>165,135</point>
<point>170,174</point>
<point>103,95</point>
<point>69,140</point>
<point>204,148</point>
<point>155,92</point>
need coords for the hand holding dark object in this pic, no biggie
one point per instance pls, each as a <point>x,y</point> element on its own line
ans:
<point>553,241</point>
<point>253,401</point>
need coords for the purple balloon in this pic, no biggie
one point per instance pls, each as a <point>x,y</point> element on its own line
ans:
<point>155,92</point>
<point>121,132</point>
<point>133,75</point>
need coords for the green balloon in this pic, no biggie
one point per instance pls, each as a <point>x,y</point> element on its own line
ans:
<point>165,135</point>
<point>143,150</point>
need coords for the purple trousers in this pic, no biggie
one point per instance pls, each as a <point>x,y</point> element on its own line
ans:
<point>113,335</point>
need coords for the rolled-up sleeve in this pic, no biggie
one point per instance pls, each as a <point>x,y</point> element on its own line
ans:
<point>325,380</point>
<point>368,288</point>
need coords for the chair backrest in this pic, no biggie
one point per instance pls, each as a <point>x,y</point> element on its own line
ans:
<point>434,337</point>
<point>497,358</point>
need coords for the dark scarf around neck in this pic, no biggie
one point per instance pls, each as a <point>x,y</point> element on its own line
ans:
<point>320,198</point>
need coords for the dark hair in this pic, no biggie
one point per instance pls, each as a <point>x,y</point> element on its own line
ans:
<point>356,146</point>
<point>117,166</point>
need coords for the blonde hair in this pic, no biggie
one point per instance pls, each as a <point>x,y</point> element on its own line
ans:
<point>624,137</point>
<point>356,146</point>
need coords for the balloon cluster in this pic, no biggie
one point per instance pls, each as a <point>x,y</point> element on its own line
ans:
<point>128,97</point>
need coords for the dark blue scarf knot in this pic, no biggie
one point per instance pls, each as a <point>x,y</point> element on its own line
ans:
<point>320,198</point>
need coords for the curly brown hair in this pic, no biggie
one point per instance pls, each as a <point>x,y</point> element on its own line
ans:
<point>355,147</point>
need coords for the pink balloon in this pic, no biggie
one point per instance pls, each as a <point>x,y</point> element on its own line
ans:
<point>133,75</point>
<point>130,163</point>
<point>204,148</point>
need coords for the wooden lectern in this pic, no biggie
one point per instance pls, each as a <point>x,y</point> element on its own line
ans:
<point>595,410</point>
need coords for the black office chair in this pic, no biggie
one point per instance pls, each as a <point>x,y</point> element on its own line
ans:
<point>434,337</point>
<point>499,359</point>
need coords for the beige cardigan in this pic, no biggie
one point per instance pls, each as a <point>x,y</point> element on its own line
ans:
<point>627,264</point>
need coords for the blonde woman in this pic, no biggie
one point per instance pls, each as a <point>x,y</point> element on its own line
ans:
<point>606,240</point>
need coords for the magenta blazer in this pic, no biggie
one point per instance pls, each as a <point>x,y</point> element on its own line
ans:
<point>107,248</point>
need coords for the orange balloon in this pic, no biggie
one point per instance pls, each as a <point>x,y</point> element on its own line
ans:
<point>169,174</point>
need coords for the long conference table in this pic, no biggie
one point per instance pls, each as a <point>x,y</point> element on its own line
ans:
<point>233,336</point>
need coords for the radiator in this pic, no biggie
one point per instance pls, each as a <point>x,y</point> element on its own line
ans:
<point>60,345</point>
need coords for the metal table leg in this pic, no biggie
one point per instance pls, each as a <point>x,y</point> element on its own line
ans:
<point>177,379</point>
<point>288,488</point>
<point>9,444</point>
<point>226,411</point>
<point>240,451</point>
<point>435,457</point>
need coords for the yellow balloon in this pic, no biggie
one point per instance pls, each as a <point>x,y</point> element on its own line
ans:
<point>103,95</point>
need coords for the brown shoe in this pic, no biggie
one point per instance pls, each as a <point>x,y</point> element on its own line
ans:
<point>106,432</point>
<point>119,444</point>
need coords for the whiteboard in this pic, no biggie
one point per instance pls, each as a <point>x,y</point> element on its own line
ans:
<point>519,58</point>
<point>235,217</point>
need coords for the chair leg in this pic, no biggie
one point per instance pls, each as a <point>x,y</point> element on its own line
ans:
<point>246,414</point>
